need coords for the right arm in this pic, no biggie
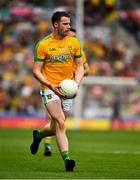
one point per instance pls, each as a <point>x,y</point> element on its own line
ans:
<point>39,58</point>
<point>85,63</point>
<point>39,76</point>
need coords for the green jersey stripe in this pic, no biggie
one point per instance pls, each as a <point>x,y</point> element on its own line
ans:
<point>38,60</point>
<point>78,56</point>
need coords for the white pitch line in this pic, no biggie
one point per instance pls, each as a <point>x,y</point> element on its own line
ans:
<point>120,152</point>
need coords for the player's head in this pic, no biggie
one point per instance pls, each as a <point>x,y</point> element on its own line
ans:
<point>72,32</point>
<point>61,22</point>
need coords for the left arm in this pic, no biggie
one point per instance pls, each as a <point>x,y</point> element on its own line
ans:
<point>79,72</point>
<point>86,69</point>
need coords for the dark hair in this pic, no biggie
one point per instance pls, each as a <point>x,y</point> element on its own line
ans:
<point>73,30</point>
<point>57,16</point>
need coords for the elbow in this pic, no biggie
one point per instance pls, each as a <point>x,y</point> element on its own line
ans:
<point>34,73</point>
<point>83,69</point>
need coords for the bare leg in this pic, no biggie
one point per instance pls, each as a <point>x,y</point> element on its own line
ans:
<point>58,119</point>
<point>58,128</point>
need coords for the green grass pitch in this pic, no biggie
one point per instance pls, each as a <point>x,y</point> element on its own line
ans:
<point>98,155</point>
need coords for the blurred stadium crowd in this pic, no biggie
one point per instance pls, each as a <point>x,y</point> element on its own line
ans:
<point>23,22</point>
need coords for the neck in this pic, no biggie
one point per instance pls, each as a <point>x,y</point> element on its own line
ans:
<point>57,36</point>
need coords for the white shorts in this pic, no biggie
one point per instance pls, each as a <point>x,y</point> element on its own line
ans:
<point>48,96</point>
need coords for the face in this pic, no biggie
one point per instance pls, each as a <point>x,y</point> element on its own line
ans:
<point>63,26</point>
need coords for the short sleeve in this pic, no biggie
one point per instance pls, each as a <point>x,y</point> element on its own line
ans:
<point>39,53</point>
<point>78,52</point>
<point>84,57</point>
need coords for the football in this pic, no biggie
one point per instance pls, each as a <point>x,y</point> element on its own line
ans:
<point>69,88</point>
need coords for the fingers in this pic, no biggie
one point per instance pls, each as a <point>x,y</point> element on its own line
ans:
<point>59,93</point>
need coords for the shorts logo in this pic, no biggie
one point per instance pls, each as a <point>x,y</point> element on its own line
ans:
<point>49,96</point>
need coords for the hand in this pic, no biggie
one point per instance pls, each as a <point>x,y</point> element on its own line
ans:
<point>56,90</point>
<point>78,83</point>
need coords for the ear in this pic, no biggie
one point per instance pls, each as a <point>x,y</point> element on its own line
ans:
<point>55,24</point>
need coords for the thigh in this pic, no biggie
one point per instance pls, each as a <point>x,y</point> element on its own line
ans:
<point>51,121</point>
<point>48,116</point>
<point>55,110</point>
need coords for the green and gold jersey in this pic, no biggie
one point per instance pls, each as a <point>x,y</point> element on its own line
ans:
<point>58,57</point>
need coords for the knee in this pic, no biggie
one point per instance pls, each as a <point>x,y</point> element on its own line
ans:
<point>53,129</point>
<point>60,124</point>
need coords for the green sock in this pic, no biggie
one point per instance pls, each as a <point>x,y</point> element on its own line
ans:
<point>40,135</point>
<point>65,156</point>
<point>47,145</point>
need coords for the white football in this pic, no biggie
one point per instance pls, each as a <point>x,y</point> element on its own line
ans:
<point>69,88</point>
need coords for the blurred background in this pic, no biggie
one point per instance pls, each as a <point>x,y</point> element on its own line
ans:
<point>109,31</point>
